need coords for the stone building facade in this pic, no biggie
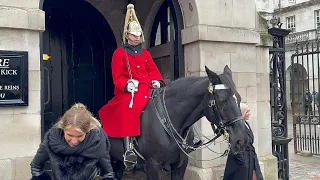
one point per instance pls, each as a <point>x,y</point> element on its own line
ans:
<point>302,17</point>
<point>212,33</point>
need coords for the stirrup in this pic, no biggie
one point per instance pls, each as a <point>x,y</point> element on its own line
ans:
<point>129,159</point>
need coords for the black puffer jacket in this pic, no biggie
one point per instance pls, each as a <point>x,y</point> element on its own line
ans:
<point>83,162</point>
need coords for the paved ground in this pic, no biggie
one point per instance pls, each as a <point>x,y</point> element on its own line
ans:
<point>301,168</point>
<point>135,176</point>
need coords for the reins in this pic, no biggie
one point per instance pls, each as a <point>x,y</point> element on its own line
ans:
<point>182,142</point>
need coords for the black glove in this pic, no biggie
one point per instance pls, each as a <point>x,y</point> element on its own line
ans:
<point>43,176</point>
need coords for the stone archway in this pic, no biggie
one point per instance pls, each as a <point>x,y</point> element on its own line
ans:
<point>190,11</point>
<point>298,78</point>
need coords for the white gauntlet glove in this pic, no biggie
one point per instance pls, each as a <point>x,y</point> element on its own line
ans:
<point>156,84</point>
<point>132,85</point>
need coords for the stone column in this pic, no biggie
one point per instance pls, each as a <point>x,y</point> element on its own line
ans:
<point>20,24</point>
<point>229,33</point>
<point>268,162</point>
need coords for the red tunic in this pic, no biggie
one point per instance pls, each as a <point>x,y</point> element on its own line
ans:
<point>117,118</point>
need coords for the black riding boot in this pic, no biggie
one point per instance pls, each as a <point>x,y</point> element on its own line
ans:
<point>129,157</point>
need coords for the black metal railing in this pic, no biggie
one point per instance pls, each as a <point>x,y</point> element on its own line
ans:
<point>278,103</point>
<point>305,96</point>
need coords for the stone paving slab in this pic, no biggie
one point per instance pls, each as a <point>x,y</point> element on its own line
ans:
<point>301,171</point>
<point>301,168</point>
<point>135,176</point>
<point>298,171</point>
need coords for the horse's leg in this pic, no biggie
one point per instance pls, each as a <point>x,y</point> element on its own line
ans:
<point>178,173</point>
<point>118,168</point>
<point>153,170</point>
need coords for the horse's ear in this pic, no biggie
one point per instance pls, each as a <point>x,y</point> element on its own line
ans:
<point>227,71</point>
<point>213,77</point>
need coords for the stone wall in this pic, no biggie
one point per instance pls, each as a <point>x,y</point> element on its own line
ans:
<point>20,24</point>
<point>305,28</point>
<point>288,3</point>
<point>230,33</point>
<point>304,18</point>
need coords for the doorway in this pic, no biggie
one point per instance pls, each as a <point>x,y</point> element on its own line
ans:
<point>80,44</point>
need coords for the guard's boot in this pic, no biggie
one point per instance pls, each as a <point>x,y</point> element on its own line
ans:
<point>129,156</point>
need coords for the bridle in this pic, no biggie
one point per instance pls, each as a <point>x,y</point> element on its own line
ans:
<point>182,141</point>
<point>221,126</point>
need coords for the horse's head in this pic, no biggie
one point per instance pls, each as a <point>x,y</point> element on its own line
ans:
<point>222,108</point>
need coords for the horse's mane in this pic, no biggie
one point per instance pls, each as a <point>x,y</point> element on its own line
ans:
<point>188,85</point>
<point>184,95</point>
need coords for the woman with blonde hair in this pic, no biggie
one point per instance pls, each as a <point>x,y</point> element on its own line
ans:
<point>244,165</point>
<point>77,148</point>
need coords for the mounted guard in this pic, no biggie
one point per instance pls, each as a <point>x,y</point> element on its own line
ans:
<point>134,75</point>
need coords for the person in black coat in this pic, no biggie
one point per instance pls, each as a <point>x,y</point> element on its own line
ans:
<point>77,148</point>
<point>244,165</point>
<point>308,103</point>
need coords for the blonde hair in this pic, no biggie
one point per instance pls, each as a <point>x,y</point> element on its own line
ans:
<point>243,108</point>
<point>80,118</point>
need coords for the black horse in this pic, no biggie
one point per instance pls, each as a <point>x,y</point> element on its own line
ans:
<point>186,100</point>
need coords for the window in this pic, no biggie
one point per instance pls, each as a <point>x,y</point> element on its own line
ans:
<point>317,18</point>
<point>291,1</point>
<point>161,28</point>
<point>291,23</point>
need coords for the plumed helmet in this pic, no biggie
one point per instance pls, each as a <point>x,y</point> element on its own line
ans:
<point>131,24</point>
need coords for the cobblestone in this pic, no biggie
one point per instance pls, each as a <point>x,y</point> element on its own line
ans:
<point>301,168</point>
<point>302,171</point>
<point>139,175</point>
<point>298,171</point>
